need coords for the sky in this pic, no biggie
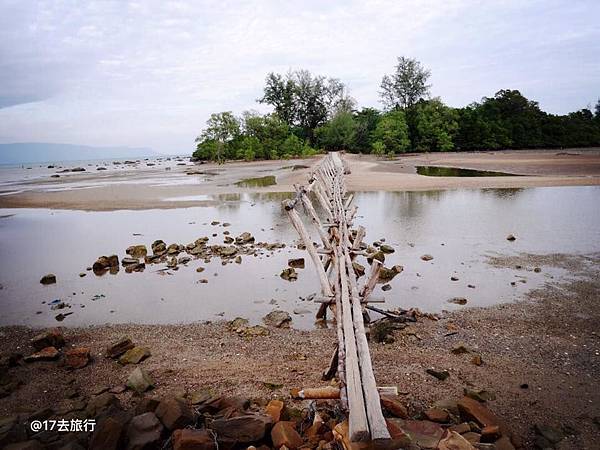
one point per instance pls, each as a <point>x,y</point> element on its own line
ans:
<point>149,73</point>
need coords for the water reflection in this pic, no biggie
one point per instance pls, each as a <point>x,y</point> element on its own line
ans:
<point>268,180</point>
<point>457,227</point>
<point>438,171</point>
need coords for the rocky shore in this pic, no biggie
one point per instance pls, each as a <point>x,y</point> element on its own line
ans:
<point>532,365</point>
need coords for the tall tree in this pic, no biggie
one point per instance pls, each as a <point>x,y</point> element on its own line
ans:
<point>436,125</point>
<point>222,129</point>
<point>392,132</point>
<point>339,133</point>
<point>406,86</point>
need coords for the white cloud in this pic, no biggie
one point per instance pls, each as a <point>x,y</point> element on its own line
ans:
<point>149,73</point>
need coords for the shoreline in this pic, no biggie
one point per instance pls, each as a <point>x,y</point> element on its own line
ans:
<point>150,188</point>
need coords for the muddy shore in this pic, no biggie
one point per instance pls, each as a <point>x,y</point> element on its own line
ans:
<point>154,188</point>
<point>540,358</point>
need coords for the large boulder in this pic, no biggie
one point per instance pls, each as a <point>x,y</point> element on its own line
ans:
<point>137,251</point>
<point>48,279</point>
<point>174,413</point>
<point>244,238</point>
<point>144,432</point>
<point>159,247</point>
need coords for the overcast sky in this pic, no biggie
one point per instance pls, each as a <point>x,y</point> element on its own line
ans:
<point>149,73</point>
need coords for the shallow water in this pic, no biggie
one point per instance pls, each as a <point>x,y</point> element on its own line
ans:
<point>438,171</point>
<point>269,180</point>
<point>459,228</point>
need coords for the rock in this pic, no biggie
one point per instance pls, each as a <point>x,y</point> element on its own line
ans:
<point>228,240</point>
<point>437,415</point>
<point>490,433</point>
<point>461,428</point>
<point>107,435</point>
<point>77,358</point>
<point>297,263</point>
<point>386,287</point>
<point>137,251</point>
<point>458,301</point>
<point>158,247</point>
<point>439,374</point>
<point>50,338</point>
<point>455,441</point>
<point>191,439</point>
<point>199,269</point>
<point>139,381</point>
<point>511,238</point>
<point>228,250</point>
<point>289,274</point>
<point>473,410</point>
<point>459,349</point>
<point>453,278</point>
<point>48,279</point>
<point>102,403</point>
<point>82,274</point>
<point>238,259</point>
<point>45,354</point>
<point>129,261</point>
<point>78,169</point>
<point>393,406</point>
<point>386,275</point>
<point>472,437</point>
<point>426,257</point>
<point>359,269</point>
<point>144,432</point>
<point>424,433</point>
<point>537,269</point>
<point>301,311</point>
<point>284,433</point>
<point>255,330</point>
<point>476,360</point>
<point>243,429</point>
<point>244,238</point>
<point>118,348</point>
<point>174,413</point>
<point>386,248</point>
<point>277,319</point>
<point>238,323</point>
<point>274,409</point>
<point>146,404</point>
<point>379,256</point>
<point>551,434</point>
<point>173,249</point>
<point>134,355</point>
<point>479,394</point>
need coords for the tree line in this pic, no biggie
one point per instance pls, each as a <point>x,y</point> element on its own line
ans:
<point>313,112</point>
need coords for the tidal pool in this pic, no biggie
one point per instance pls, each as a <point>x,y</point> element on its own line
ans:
<point>269,180</point>
<point>459,228</point>
<point>438,171</point>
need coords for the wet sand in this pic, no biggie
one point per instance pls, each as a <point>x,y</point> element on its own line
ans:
<point>549,342</point>
<point>155,188</point>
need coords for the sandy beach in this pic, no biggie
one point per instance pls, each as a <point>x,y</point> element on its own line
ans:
<point>142,187</point>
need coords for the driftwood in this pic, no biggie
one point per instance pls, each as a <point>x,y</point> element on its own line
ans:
<point>351,362</point>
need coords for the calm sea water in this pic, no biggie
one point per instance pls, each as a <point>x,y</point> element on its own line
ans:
<point>459,228</point>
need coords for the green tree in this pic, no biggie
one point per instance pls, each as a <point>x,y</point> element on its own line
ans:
<point>222,130</point>
<point>406,86</point>
<point>392,132</point>
<point>339,133</point>
<point>436,125</point>
<point>269,130</point>
<point>366,121</point>
<point>377,148</point>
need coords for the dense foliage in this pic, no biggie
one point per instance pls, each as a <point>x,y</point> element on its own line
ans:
<point>314,112</point>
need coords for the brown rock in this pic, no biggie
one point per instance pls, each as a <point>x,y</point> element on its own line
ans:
<point>461,428</point>
<point>146,404</point>
<point>460,348</point>
<point>297,263</point>
<point>393,406</point>
<point>503,443</point>
<point>437,415</point>
<point>50,338</point>
<point>174,413</point>
<point>477,360</point>
<point>359,269</point>
<point>137,251</point>
<point>473,438</point>
<point>426,257</point>
<point>118,348</point>
<point>490,433</point>
<point>274,409</point>
<point>455,441</point>
<point>189,439</point>
<point>139,381</point>
<point>424,433</point>
<point>77,358</point>
<point>511,238</point>
<point>243,429</point>
<point>473,410</point>
<point>101,403</point>
<point>45,354</point>
<point>144,432</point>
<point>284,433</point>
<point>107,435</point>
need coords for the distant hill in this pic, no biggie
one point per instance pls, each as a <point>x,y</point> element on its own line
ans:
<point>22,153</point>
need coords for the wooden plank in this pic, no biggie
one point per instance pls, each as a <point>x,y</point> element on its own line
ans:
<point>372,281</point>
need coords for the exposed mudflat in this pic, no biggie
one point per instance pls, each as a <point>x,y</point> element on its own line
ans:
<point>547,342</point>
